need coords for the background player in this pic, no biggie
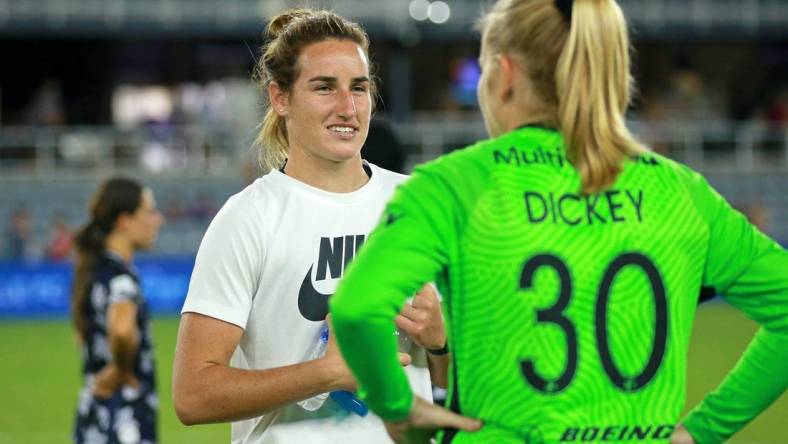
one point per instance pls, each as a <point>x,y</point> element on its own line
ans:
<point>272,256</point>
<point>118,401</point>
<point>571,259</point>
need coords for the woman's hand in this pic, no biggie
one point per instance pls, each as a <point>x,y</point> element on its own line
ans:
<point>424,419</point>
<point>422,319</point>
<point>681,436</point>
<point>333,358</point>
<point>110,379</point>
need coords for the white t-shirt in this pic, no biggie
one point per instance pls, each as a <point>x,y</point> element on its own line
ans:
<point>267,263</point>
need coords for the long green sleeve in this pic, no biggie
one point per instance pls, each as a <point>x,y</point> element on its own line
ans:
<point>759,378</point>
<point>751,272</point>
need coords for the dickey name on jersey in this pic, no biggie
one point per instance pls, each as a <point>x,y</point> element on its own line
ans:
<point>334,255</point>
<point>612,206</point>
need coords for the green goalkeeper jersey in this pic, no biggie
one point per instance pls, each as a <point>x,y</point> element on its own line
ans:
<point>569,315</point>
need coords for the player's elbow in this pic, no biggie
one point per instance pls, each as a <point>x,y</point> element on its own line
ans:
<point>187,407</point>
<point>189,401</point>
<point>186,416</point>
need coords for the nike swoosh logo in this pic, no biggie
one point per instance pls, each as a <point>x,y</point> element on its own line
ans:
<point>312,304</point>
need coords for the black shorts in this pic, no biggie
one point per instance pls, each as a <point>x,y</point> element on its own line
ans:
<point>129,417</point>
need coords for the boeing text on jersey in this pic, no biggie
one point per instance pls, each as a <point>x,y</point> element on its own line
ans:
<point>333,257</point>
<point>629,432</point>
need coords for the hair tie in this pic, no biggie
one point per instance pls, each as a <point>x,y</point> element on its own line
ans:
<point>565,6</point>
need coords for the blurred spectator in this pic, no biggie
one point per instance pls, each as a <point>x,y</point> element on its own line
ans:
<point>777,112</point>
<point>687,99</point>
<point>61,237</point>
<point>204,206</point>
<point>46,107</point>
<point>19,234</point>
<point>772,120</point>
<point>160,152</point>
<point>757,213</point>
<point>174,207</point>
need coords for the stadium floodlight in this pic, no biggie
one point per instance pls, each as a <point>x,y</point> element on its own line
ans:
<point>419,9</point>
<point>439,12</point>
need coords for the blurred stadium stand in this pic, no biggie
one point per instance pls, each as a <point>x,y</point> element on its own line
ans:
<point>236,16</point>
<point>189,203</point>
<point>160,89</point>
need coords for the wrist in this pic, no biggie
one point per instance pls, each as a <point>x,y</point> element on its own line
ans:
<point>111,369</point>
<point>439,351</point>
<point>122,372</point>
<point>334,373</point>
<point>116,372</point>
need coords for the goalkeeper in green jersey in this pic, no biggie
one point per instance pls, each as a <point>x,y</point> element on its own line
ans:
<point>570,259</point>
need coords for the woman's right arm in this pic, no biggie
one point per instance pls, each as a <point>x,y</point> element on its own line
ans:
<point>751,272</point>
<point>206,389</point>
<point>226,276</point>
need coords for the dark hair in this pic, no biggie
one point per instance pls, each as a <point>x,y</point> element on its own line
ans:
<point>287,34</point>
<point>114,197</point>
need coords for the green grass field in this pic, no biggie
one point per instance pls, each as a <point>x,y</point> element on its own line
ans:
<point>40,374</point>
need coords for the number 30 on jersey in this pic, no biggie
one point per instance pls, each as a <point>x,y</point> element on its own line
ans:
<point>555,315</point>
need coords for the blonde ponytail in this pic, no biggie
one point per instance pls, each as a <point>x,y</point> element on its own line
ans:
<point>272,140</point>
<point>578,64</point>
<point>594,86</point>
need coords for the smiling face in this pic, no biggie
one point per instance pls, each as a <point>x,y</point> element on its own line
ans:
<point>327,112</point>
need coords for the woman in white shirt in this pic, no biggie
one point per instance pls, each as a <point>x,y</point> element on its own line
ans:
<point>275,252</point>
